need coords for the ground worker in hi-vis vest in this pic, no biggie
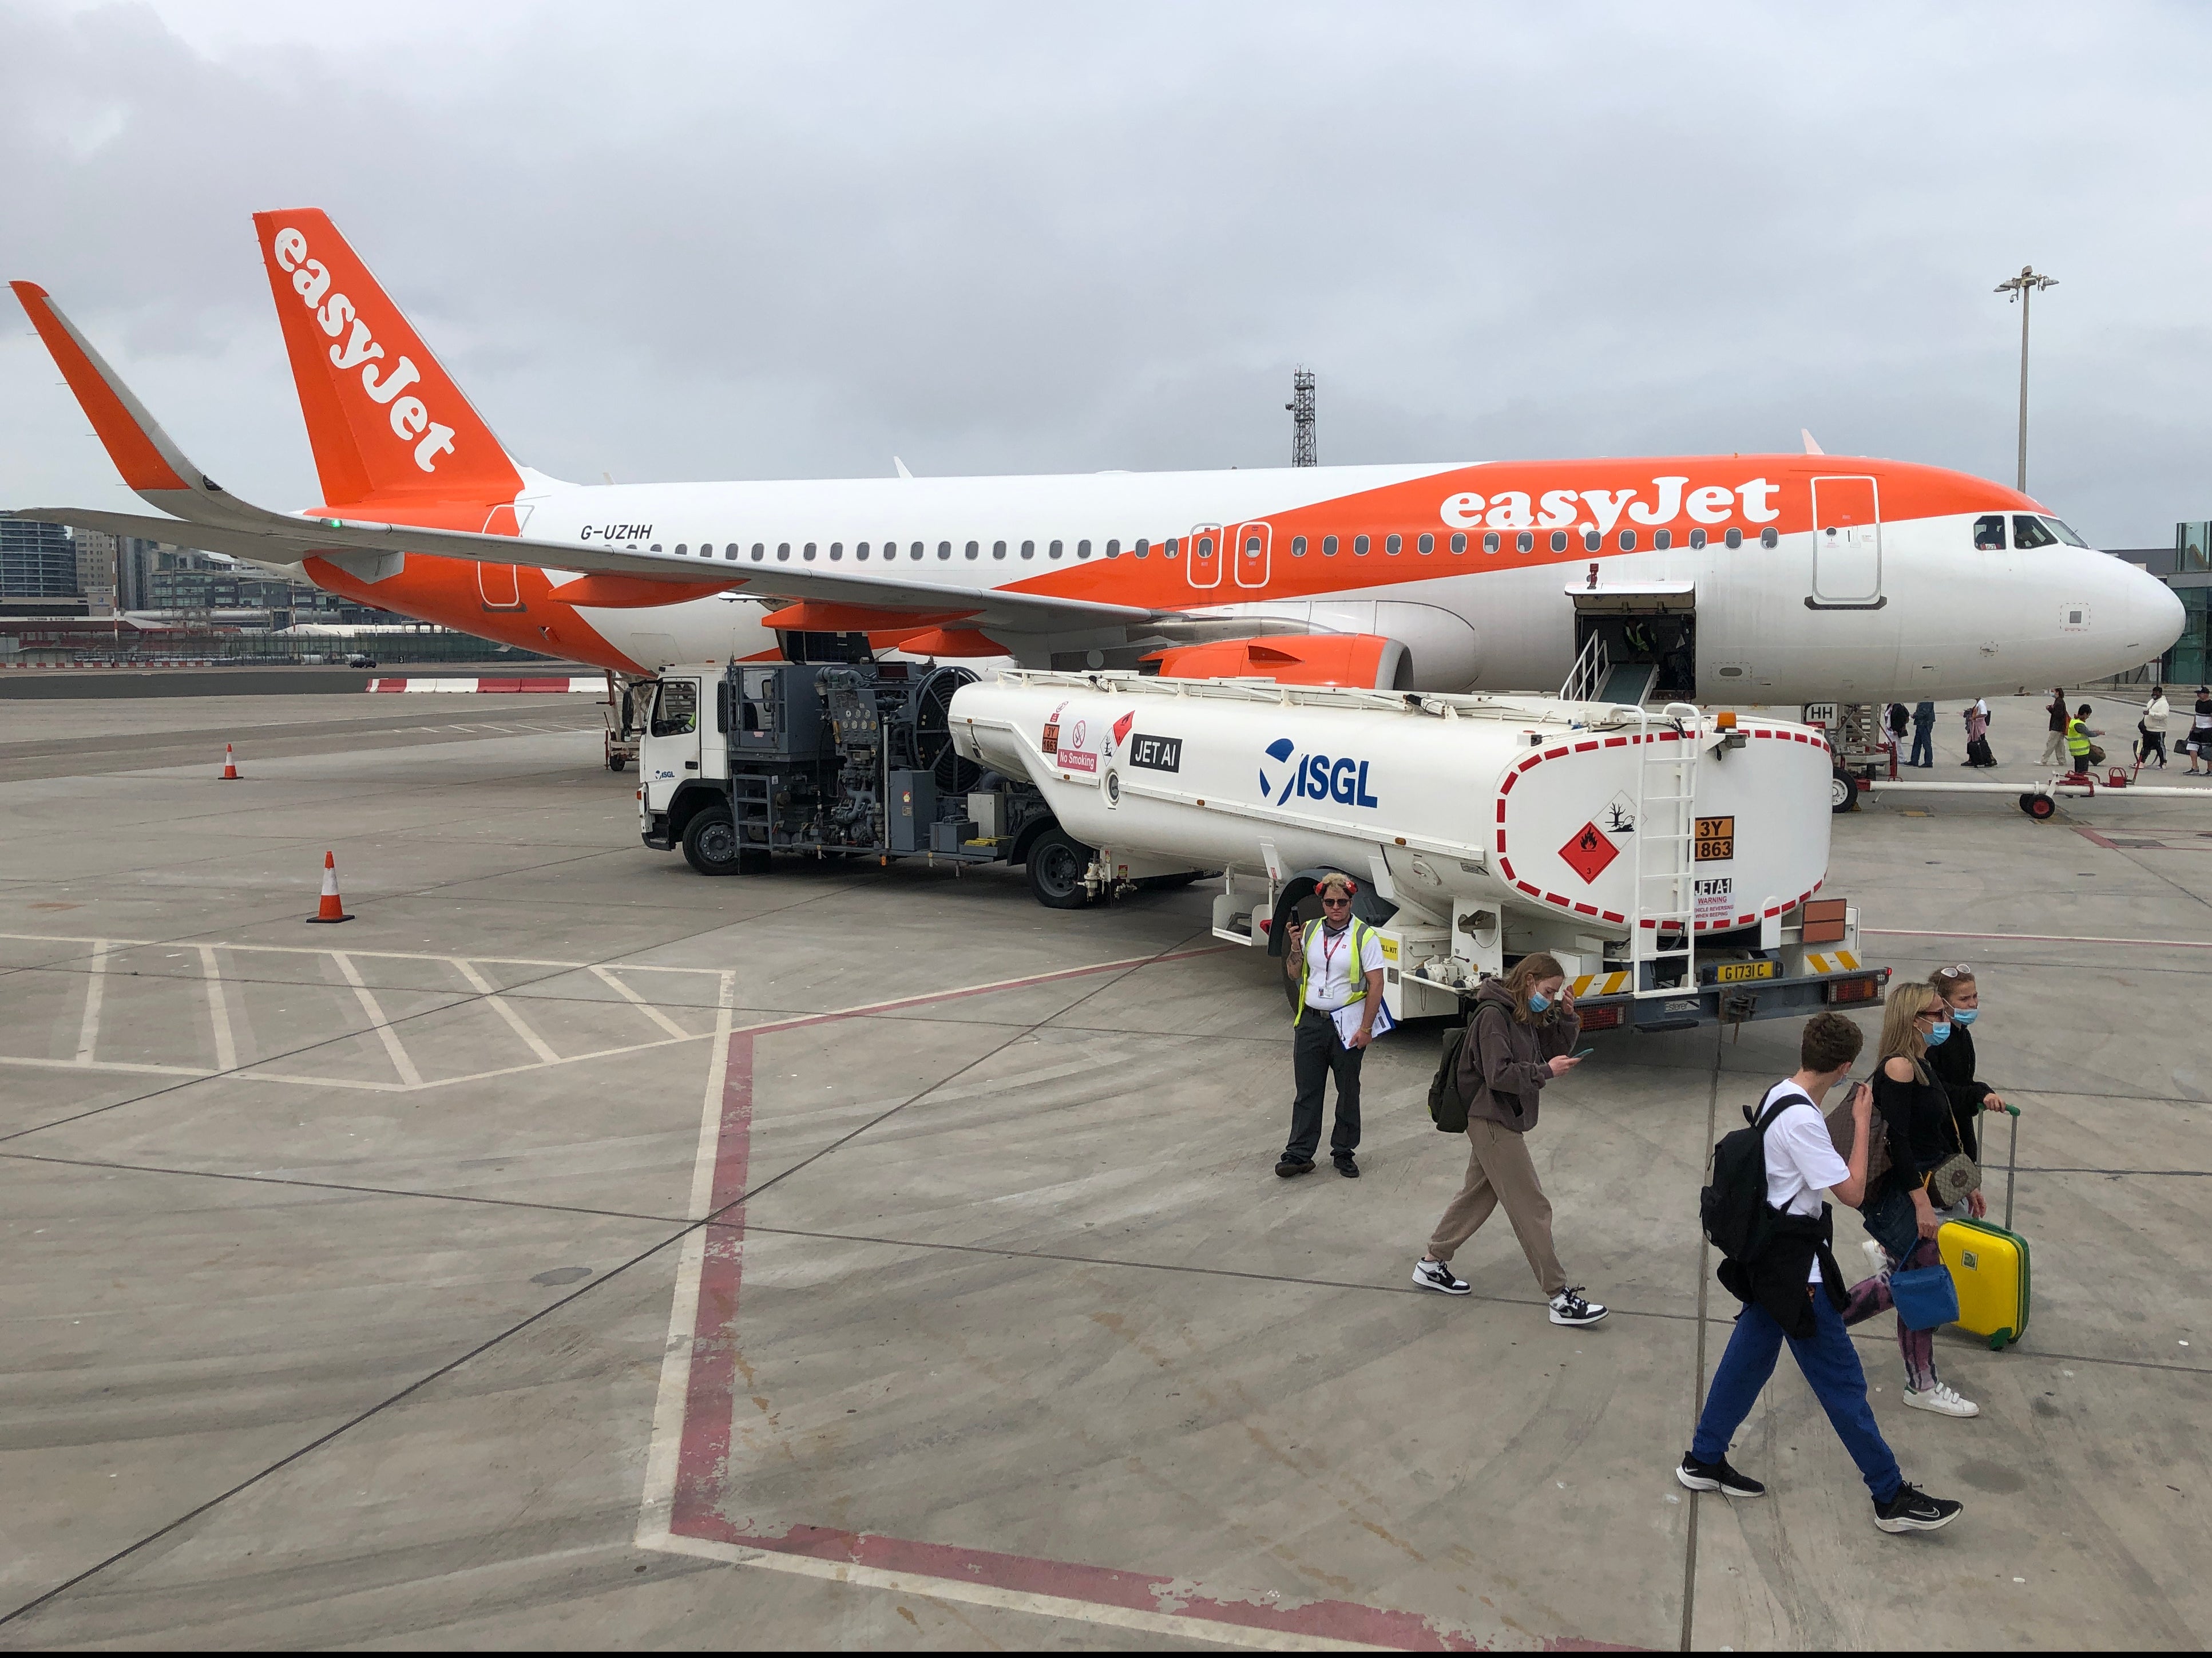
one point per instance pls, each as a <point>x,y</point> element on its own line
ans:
<point>2077,739</point>
<point>1338,969</point>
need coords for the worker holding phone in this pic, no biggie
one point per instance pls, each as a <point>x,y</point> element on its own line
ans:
<point>1521,1037</point>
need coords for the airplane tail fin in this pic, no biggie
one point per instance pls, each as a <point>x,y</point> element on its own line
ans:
<point>385,420</point>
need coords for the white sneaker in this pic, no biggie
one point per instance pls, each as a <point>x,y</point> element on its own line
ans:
<point>1940,1399</point>
<point>1435,1275</point>
<point>1569,1307</point>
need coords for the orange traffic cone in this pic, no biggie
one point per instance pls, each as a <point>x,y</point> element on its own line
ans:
<point>332,908</point>
<point>229,765</point>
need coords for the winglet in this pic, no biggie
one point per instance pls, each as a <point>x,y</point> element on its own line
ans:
<point>1811,447</point>
<point>141,450</point>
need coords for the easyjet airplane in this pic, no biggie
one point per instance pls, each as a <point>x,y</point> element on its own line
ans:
<point>1718,578</point>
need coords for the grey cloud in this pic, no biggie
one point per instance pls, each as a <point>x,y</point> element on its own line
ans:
<point>713,242</point>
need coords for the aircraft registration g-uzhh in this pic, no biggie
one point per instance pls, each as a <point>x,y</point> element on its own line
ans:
<point>1750,578</point>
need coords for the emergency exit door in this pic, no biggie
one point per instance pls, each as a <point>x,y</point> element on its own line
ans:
<point>1248,549</point>
<point>1846,544</point>
<point>1202,556</point>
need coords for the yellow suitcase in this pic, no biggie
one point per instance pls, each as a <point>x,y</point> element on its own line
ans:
<point>1990,1265</point>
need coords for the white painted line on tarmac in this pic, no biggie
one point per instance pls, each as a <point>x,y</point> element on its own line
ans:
<point>95,988</point>
<point>226,1048</point>
<point>640,1003</point>
<point>137,1067</point>
<point>365,955</point>
<point>499,1004</point>
<point>393,1047</point>
<point>2033,938</point>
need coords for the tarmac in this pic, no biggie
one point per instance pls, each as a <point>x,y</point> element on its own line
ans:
<point>575,1250</point>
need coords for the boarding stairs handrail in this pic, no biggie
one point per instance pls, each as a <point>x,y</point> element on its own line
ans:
<point>1663,915</point>
<point>1588,676</point>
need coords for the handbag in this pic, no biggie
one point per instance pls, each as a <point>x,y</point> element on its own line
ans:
<point>1839,1132</point>
<point>1924,1297</point>
<point>1951,1181</point>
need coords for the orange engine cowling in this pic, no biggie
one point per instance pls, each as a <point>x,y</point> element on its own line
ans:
<point>1366,661</point>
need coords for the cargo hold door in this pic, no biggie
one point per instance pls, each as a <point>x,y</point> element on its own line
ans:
<point>1846,544</point>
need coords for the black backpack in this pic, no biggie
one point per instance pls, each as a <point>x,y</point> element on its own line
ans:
<point>1737,1218</point>
<point>1447,1105</point>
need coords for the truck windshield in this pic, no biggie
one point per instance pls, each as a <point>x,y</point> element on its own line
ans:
<point>676,709</point>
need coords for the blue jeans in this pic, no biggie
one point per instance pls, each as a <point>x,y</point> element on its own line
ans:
<point>1923,748</point>
<point>1831,1365</point>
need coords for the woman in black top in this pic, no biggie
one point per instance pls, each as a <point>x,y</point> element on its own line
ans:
<point>1921,1133</point>
<point>1952,1062</point>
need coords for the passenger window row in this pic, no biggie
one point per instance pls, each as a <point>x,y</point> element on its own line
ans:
<point>1202,546</point>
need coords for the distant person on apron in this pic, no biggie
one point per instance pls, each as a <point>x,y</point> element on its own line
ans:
<point>2153,727</point>
<point>2054,746</point>
<point>1923,735</point>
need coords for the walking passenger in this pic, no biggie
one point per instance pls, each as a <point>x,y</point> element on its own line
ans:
<point>2153,727</point>
<point>1338,964</point>
<point>2054,746</point>
<point>1924,734</point>
<point>1952,1062</point>
<point>1522,1035</point>
<point>1977,734</point>
<point>1900,1215</point>
<point>1898,721</point>
<point>1790,1293</point>
<point>2200,733</point>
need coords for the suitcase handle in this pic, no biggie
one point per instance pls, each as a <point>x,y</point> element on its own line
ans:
<point>2011,1157</point>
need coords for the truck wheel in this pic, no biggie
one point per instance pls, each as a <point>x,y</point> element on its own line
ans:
<point>1056,862</point>
<point>615,762</point>
<point>1843,791</point>
<point>710,841</point>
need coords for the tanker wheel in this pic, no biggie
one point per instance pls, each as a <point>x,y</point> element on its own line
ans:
<point>2038,806</point>
<point>710,841</point>
<point>1843,791</point>
<point>1056,862</point>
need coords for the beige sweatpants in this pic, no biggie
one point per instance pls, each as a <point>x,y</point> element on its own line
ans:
<point>1501,1171</point>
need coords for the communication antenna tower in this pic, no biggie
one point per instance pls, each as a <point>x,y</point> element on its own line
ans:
<point>1301,406</point>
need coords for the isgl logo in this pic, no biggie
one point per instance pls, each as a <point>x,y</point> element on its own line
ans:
<point>1316,777</point>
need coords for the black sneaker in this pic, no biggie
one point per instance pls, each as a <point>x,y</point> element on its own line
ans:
<point>1291,1166</point>
<point>1435,1275</point>
<point>1716,1476</point>
<point>1347,1169</point>
<point>1913,1510</point>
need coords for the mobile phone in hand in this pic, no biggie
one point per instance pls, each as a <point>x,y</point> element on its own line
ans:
<point>1585,1053</point>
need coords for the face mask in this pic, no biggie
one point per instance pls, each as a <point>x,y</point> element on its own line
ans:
<point>1938,1035</point>
<point>1538,1002</point>
<point>1964,1016</point>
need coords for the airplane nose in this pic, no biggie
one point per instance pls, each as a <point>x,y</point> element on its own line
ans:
<point>2155,617</point>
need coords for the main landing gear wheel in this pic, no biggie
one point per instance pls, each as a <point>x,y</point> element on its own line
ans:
<point>2038,806</point>
<point>1056,862</point>
<point>1843,791</point>
<point>710,843</point>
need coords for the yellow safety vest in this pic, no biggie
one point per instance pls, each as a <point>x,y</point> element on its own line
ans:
<point>1359,931</point>
<point>2077,736</point>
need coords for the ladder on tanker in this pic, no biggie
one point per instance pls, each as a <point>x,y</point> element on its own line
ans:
<point>1663,925</point>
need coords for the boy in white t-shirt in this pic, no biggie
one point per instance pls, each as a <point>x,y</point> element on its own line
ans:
<point>1801,1163</point>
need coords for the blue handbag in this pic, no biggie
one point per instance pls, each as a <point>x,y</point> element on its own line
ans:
<point>1924,1297</point>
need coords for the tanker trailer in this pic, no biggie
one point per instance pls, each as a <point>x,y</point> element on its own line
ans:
<point>1671,860</point>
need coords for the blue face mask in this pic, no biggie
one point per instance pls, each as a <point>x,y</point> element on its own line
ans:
<point>1538,1002</point>
<point>1963,1015</point>
<point>1938,1035</point>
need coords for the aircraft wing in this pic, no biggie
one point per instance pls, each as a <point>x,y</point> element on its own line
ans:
<point>201,514</point>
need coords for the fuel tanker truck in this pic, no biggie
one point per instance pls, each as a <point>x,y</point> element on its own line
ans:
<point>1671,860</point>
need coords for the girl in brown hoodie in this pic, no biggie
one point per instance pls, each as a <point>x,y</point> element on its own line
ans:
<point>1521,1037</point>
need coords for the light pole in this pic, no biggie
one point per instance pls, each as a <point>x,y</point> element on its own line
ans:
<point>2022,288</point>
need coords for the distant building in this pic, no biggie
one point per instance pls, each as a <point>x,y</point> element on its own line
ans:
<point>95,570</point>
<point>2186,567</point>
<point>37,561</point>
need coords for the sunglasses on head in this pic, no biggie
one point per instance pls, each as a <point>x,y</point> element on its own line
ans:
<point>1962,971</point>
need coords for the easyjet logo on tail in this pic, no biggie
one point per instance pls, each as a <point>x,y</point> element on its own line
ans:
<point>385,386</point>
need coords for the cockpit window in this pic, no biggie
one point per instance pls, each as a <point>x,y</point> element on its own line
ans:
<point>1989,534</point>
<point>2028,532</point>
<point>2064,532</point>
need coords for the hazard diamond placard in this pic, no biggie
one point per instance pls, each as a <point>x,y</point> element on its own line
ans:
<point>1589,852</point>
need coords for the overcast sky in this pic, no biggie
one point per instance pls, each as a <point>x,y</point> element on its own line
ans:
<point>701,242</point>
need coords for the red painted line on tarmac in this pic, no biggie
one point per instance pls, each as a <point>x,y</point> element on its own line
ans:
<point>2036,938</point>
<point>702,1471</point>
